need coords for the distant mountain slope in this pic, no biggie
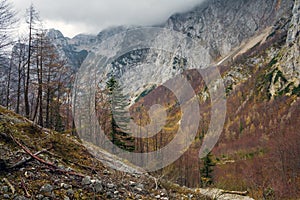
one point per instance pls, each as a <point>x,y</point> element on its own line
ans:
<point>259,146</point>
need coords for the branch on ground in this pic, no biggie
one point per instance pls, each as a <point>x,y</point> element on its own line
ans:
<point>49,164</point>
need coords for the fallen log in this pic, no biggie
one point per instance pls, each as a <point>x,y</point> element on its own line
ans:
<point>49,164</point>
<point>242,193</point>
<point>25,160</point>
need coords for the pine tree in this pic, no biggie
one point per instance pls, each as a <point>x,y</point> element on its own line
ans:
<point>206,170</point>
<point>118,119</point>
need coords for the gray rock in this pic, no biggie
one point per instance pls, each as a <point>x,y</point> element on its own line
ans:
<point>70,192</point>
<point>173,196</point>
<point>138,189</point>
<point>132,183</point>
<point>65,186</point>
<point>20,198</point>
<point>116,192</point>
<point>70,49</point>
<point>291,58</point>
<point>39,196</point>
<point>140,185</point>
<point>5,189</point>
<point>47,189</point>
<point>66,198</point>
<point>29,174</point>
<point>109,195</point>
<point>98,186</point>
<point>86,180</point>
<point>221,26</point>
<point>6,196</point>
<point>110,185</point>
<point>163,192</point>
<point>294,24</point>
<point>215,22</point>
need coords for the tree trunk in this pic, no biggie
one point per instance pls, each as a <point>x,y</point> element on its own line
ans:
<point>40,89</point>
<point>19,85</point>
<point>8,85</point>
<point>26,91</point>
<point>48,100</point>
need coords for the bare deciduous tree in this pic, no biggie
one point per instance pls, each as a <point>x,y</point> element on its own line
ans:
<point>33,18</point>
<point>7,24</point>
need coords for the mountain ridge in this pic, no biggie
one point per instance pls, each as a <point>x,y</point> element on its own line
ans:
<point>220,27</point>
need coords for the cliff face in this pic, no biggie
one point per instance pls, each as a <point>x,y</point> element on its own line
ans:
<point>224,25</point>
<point>290,62</point>
<point>286,70</point>
<point>294,27</point>
<point>72,50</point>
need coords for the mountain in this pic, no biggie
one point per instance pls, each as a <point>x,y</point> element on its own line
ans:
<point>221,28</point>
<point>224,25</point>
<point>70,49</point>
<point>257,149</point>
<point>76,49</point>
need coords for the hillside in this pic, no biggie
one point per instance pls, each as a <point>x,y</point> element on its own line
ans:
<point>38,163</point>
<point>257,150</point>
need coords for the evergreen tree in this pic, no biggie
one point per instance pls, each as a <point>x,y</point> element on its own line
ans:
<point>118,119</point>
<point>206,170</point>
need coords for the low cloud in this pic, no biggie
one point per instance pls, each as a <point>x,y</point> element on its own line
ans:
<point>91,16</point>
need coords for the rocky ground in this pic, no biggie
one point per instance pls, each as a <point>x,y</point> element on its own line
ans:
<point>38,163</point>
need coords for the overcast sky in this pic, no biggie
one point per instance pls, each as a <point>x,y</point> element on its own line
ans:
<point>72,17</point>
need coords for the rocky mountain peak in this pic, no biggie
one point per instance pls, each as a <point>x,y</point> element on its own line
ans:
<point>295,23</point>
<point>54,34</point>
<point>104,34</point>
<point>290,61</point>
<point>224,25</point>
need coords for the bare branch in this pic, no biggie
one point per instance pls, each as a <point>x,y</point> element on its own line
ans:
<point>10,185</point>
